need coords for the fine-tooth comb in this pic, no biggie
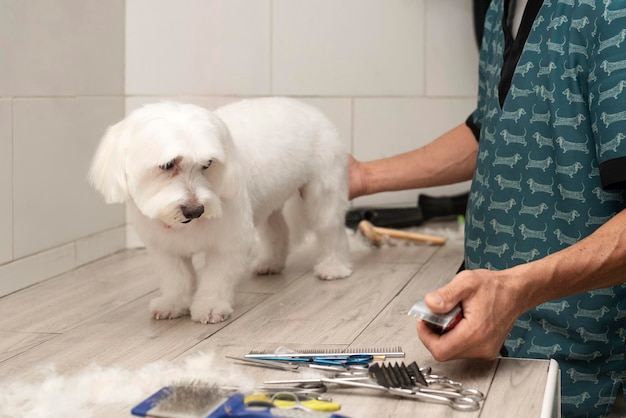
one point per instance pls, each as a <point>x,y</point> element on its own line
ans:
<point>392,352</point>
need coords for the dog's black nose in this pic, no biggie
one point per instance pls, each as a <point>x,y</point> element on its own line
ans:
<point>192,212</point>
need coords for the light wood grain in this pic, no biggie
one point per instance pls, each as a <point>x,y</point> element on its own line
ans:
<point>64,302</point>
<point>511,382</point>
<point>98,315</point>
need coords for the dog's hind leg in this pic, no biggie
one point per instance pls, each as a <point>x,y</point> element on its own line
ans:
<point>326,205</point>
<point>178,283</point>
<point>273,244</point>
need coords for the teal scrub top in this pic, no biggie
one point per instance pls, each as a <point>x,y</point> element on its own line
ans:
<point>551,169</point>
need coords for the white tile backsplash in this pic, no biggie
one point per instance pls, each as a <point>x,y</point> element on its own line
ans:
<point>349,47</point>
<point>30,270</point>
<point>54,140</point>
<point>384,127</point>
<point>6,182</point>
<point>197,47</point>
<point>451,55</point>
<point>99,245</point>
<point>61,48</point>
<point>44,265</point>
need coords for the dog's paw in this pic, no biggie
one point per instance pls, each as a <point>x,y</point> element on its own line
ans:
<point>165,307</point>
<point>266,267</point>
<point>210,311</point>
<point>332,271</point>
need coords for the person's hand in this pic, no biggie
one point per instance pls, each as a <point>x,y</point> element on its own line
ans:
<point>490,307</point>
<point>356,178</point>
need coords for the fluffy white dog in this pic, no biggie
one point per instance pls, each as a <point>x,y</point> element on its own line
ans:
<point>199,181</point>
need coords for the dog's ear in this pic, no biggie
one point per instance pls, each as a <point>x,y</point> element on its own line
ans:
<point>231,175</point>
<point>108,172</point>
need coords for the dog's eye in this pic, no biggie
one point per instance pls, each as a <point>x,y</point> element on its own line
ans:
<point>167,166</point>
<point>207,165</point>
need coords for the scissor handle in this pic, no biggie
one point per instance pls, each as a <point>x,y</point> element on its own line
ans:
<point>345,361</point>
<point>472,393</point>
<point>362,360</point>
<point>460,403</point>
<point>465,403</point>
<point>359,360</point>
<point>443,381</point>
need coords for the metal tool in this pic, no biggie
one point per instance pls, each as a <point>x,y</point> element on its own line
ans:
<point>377,353</point>
<point>460,403</point>
<point>270,364</point>
<point>406,382</point>
<point>342,370</point>
<point>411,378</point>
<point>349,361</point>
<point>433,379</point>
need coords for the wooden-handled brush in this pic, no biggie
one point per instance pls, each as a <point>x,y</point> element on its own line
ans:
<point>377,235</point>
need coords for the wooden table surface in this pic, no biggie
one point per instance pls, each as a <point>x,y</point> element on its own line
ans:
<point>98,315</point>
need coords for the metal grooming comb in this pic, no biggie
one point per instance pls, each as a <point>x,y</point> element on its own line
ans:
<point>393,352</point>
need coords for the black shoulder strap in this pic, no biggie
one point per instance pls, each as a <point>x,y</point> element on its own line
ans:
<point>513,47</point>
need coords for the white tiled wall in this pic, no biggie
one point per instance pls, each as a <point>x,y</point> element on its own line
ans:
<point>61,48</point>
<point>384,127</point>
<point>392,74</point>
<point>348,47</point>
<point>451,56</point>
<point>61,84</point>
<point>198,47</point>
<point>6,183</point>
<point>51,193</point>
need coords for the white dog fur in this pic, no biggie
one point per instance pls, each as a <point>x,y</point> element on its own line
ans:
<point>198,181</point>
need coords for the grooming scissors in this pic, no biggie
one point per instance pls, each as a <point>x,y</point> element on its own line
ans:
<point>458,399</point>
<point>353,360</point>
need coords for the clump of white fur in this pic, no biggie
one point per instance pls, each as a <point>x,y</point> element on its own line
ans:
<point>95,387</point>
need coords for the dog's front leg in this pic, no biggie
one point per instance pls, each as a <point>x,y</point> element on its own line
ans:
<point>214,298</point>
<point>178,283</point>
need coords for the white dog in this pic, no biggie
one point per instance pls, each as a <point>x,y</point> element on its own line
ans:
<point>197,181</point>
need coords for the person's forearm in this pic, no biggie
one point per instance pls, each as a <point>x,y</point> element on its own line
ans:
<point>449,159</point>
<point>595,262</point>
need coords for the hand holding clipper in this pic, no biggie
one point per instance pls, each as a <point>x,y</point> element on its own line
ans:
<point>440,323</point>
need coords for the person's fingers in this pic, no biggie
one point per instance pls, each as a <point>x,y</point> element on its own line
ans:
<point>447,297</point>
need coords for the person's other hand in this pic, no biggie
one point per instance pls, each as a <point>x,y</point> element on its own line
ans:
<point>490,307</point>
